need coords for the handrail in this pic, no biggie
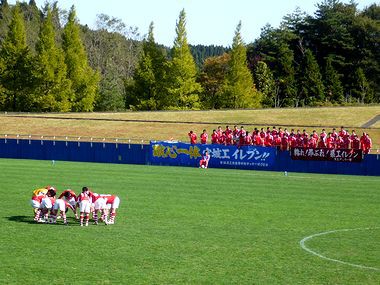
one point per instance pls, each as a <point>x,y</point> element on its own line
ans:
<point>74,138</point>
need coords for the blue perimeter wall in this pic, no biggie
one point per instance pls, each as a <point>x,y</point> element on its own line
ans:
<point>142,154</point>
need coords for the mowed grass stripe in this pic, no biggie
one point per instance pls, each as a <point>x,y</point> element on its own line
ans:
<point>181,225</point>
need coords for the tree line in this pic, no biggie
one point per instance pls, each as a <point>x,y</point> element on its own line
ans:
<point>51,63</point>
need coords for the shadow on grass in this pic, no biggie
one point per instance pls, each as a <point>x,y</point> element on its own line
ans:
<point>29,220</point>
<point>21,219</point>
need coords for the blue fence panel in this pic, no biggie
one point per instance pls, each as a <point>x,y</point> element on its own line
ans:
<point>8,148</point>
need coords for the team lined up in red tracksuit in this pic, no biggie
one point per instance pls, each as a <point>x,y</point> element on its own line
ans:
<point>284,140</point>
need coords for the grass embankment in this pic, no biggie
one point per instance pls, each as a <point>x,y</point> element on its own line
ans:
<point>166,125</point>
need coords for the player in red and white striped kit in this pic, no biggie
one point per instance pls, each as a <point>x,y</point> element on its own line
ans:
<point>69,196</point>
<point>100,206</point>
<point>113,203</point>
<point>84,200</point>
<point>60,205</point>
<point>47,203</point>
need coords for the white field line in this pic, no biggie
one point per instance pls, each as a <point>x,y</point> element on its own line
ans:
<point>303,246</point>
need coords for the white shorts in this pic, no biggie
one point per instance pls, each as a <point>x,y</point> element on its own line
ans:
<point>72,202</point>
<point>115,204</point>
<point>85,206</point>
<point>100,204</point>
<point>35,204</point>
<point>59,205</point>
<point>46,203</point>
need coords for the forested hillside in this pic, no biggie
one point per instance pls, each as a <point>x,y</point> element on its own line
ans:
<point>49,62</point>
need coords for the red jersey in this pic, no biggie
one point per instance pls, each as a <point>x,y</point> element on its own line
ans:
<point>259,141</point>
<point>70,192</point>
<point>346,142</point>
<point>193,138</point>
<point>268,140</point>
<point>367,144</point>
<point>312,142</point>
<point>204,138</point>
<point>242,136</point>
<point>284,143</point>
<point>109,198</point>
<point>305,141</point>
<point>330,142</point>
<point>355,143</point>
<point>339,142</point>
<point>214,138</point>
<point>277,141</point>
<point>38,198</point>
<point>228,131</point>
<point>84,196</point>
<point>222,139</point>
<point>236,135</point>
<point>248,140</point>
<point>228,138</point>
<point>342,133</point>
<point>315,135</point>
<point>321,143</point>
<point>292,141</point>
<point>299,141</point>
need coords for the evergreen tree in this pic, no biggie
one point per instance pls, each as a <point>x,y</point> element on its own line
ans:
<point>16,77</point>
<point>5,19</point>
<point>111,91</point>
<point>366,31</point>
<point>360,88</point>
<point>311,86</point>
<point>266,84</point>
<point>274,49</point>
<point>182,88</point>
<point>33,18</point>
<point>149,76</point>
<point>334,88</point>
<point>54,90</point>
<point>329,33</point>
<point>84,80</point>
<point>240,91</point>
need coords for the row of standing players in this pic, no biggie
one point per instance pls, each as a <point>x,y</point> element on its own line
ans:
<point>284,139</point>
<point>47,207</point>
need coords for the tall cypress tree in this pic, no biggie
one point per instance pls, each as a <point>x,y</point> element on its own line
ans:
<point>360,88</point>
<point>149,76</point>
<point>84,80</point>
<point>266,84</point>
<point>54,90</point>
<point>16,63</point>
<point>311,86</point>
<point>182,88</point>
<point>240,91</point>
<point>333,85</point>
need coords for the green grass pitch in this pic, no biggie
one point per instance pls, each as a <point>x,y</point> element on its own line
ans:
<point>192,226</point>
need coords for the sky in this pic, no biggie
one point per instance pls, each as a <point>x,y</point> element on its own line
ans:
<point>208,22</point>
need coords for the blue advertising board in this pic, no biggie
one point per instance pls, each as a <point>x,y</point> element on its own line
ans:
<point>245,157</point>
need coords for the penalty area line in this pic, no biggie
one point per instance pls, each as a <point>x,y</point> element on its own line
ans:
<point>304,247</point>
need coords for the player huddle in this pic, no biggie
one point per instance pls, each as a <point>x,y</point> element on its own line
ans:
<point>47,208</point>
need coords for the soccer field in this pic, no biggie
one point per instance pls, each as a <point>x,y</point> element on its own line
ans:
<point>179,225</point>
